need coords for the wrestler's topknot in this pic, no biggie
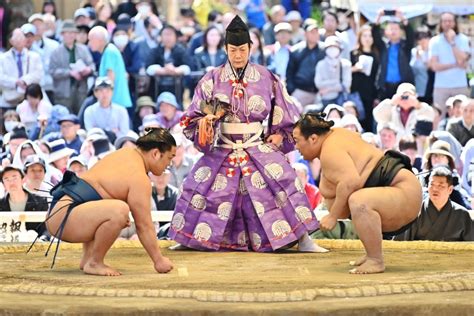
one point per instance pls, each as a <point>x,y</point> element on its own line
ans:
<point>314,123</point>
<point>156,137</point>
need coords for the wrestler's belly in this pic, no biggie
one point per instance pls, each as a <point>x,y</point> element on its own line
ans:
<point>327,188</point>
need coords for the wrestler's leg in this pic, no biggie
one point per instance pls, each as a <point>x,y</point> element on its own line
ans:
<point>375,210</point>
<point>86,253</point>
<point>99,221</point>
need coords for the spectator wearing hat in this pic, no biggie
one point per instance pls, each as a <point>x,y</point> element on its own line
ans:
<point>351,108</point>
<point>105,114</point>
<point>169,114</point>
<point>30,34</point>
<point>17,199</point>
<point>17,136</point>
<point>439,154</point>
<point>350,122</point>
<point>278,54</point>
<point>449,54</point>
<point>34,108</point>
<point>127,141</point>
<point>52,26</point>
<point>463,129</point>
<point>149,120</point>
<point>387,135</point>
<point>82,17</point>
<point>441,219</point>
<point>60,154</point>
<point>45,47</point>
<point>454,111</point>
<point>70,83</point>
<point>111,65</point>
<point>145,106</point>
<point>27,148</point>
<point>335,113</point>
<point>403,110</point>
<point>69,127</point>
<point>302,66</point>
<point>35,172</point>
<point>77,165</point>
<point>295,20</point>
<point>394,55</point>
<point>333,73</point>
<point>277,15</point>
<point>19,67</point>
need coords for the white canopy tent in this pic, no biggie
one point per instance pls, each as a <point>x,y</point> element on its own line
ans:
<point>410,9</point>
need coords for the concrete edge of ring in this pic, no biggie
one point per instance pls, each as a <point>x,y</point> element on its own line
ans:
<point>464,284</point>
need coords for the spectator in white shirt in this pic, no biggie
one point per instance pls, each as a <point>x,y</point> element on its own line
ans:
<point>449,54</point>
<point>34,107</point>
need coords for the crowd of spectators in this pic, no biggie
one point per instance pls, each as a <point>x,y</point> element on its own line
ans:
<point>74,90</point>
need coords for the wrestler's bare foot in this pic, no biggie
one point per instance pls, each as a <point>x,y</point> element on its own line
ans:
<point>84,260</point>
<point>358,262</point>
<point>306,244</point>
<point>371,265</point>
<point>96,268</point>
<point>178,247</point>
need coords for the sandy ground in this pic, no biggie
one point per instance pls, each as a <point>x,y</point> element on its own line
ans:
<point>426,278</point>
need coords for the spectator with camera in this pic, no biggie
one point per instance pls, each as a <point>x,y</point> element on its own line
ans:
<point>394,54</point>
<point>403,110</point>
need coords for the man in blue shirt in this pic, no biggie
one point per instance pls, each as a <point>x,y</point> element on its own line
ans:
<point>394,55</point>
<point>111,65</point>
<point>105,114</point>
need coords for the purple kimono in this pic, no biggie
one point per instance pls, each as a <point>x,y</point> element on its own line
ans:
<point>242,198</point>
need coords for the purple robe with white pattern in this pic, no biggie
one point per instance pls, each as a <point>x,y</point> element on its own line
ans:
<point>249,199</point>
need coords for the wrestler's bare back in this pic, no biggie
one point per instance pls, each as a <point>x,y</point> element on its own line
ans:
<point>112,176</point>
<point>342,142</point>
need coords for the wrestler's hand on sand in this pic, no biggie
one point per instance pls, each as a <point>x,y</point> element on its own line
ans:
<point>163,265</point>
<point>328,222</point>
<point>275,139</point>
